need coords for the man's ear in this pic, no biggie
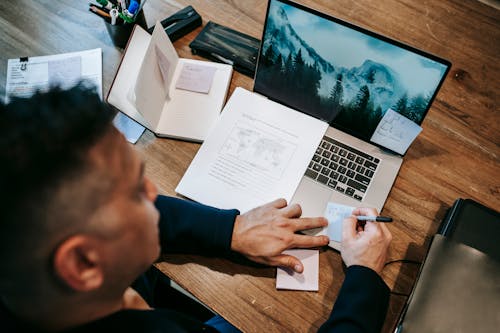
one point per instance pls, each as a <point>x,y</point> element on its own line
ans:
<point>77,262</point>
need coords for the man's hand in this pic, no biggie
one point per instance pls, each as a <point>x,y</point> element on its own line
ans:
<point>263,233</point>
<point>365,245</point>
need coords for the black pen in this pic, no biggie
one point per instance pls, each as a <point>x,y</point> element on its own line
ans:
<point>374,218</point>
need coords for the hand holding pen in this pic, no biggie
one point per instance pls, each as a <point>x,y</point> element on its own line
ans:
<point>367,243</point>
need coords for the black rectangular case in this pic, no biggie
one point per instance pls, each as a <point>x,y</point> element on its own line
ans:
<point>223,44</point>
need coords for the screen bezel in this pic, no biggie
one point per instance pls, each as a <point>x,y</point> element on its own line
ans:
<point>386,39</point>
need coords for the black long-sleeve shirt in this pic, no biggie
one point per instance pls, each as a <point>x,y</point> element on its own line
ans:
<point>187,227</point>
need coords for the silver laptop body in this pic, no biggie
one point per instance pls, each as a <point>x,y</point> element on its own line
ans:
<point>350,78</point>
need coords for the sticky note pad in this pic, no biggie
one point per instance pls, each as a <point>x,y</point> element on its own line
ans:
<point>335,214</point>
<point>197,78</point>
<point>308,279</point>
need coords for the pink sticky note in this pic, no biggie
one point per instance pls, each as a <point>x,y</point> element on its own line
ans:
<point>197,78</point>
<point>308,279</point>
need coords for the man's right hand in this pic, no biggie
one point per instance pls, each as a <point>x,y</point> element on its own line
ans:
<point>365,245</point>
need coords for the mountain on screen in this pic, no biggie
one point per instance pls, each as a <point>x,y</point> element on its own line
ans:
<point>293,72</point>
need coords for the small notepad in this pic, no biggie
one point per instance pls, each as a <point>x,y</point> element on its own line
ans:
<point>308,279</point>
<point>196,78</point>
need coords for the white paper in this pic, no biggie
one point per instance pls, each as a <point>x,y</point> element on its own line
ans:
<point>307,280</point>
<point>197,78</point>
<point>165,68</point>
<point>395,132</point>
<point>40,73</point>
<point>131,129</point>
<point>154,78</point>
<point>257,152</point>
<point>335,214</point>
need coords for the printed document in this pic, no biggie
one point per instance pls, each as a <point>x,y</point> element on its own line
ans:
<point>257,152</point>
<point>27,75</point>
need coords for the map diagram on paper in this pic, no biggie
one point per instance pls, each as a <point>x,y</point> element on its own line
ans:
<point>259,150</point>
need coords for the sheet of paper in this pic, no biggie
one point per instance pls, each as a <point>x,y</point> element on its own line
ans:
<point>335,214</point>
<point>25,76</point>
<point>395,132</point>
<point>308,279</point>
<point>165,67</point>
<point>258,151</point>
<point>197,78</point>
<point>154,79</point>
<point>131,129</point>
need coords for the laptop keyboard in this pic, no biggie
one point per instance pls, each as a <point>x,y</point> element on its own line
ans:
<point>342,168</point>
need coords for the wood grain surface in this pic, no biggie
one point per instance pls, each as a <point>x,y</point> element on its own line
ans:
<point>456,155</point>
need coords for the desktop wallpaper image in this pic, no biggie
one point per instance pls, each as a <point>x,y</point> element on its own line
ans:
<point>341,75</point>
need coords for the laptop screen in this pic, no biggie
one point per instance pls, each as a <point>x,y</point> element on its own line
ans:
<point>343,74</point>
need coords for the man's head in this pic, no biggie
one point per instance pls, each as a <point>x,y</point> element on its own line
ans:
<point>77,211</point>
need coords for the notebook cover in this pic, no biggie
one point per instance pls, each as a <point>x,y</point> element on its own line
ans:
<point>473,224</point>
<point>457,291</point>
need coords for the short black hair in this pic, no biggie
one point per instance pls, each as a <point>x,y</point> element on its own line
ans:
<point>43,141</point>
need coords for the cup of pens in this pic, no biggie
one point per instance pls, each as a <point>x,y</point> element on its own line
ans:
<point>120,16</point>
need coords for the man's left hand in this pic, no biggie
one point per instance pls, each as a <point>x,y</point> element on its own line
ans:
<point>263,233</point>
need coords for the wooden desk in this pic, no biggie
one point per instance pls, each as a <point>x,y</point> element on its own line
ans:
<point>456,155</point>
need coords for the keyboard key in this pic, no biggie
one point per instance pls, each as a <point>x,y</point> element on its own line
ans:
<point>369,173</point>
<point>312,174</point>
<point>362,179</point>
<point>332,183</point>
<point>342,168</point>
<point>356,185</point>
<point>334,166</point>
<point>354,150</point>
<point>349,191</point>
<point>323,179</point>
<point>370,165</point>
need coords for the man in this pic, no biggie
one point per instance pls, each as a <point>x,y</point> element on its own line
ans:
<point>81,222</point>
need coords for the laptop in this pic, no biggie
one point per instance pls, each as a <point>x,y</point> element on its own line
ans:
<point>373,92</point>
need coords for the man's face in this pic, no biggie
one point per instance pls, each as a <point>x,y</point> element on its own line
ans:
<point>127,223</point>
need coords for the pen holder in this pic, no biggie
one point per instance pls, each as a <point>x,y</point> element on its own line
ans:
<point>120,33</point>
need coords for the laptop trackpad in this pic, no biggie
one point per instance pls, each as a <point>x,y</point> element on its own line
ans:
<point>312,197</point>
